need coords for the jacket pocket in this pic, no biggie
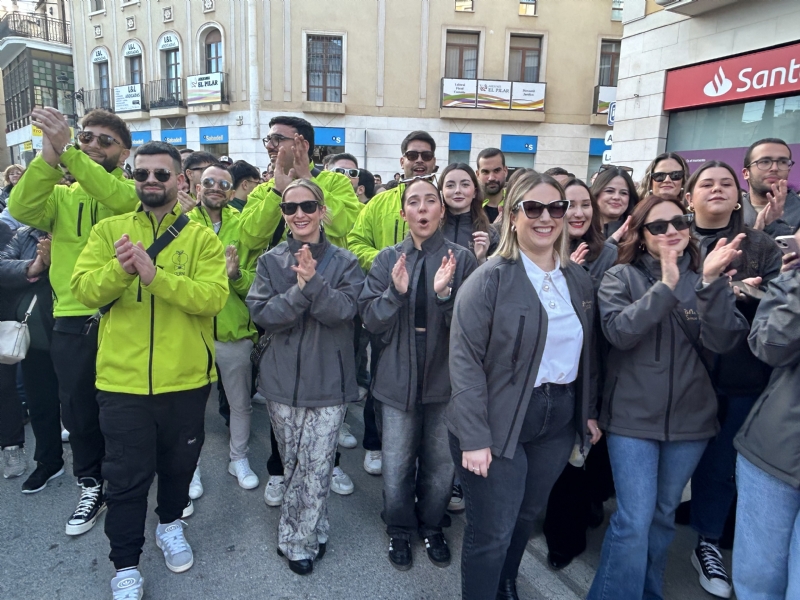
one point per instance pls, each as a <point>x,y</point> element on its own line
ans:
<point>658,343</point>
<point>517,345</point>
<point>341,372</point>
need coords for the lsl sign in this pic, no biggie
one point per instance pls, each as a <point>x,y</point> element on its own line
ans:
<point>757,75</point>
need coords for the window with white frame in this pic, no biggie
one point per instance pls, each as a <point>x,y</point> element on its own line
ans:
<point>527,8</point>
<point>461,55</point>
<point>465,6</point>
<point>213,51</point>
<point>524,55</point>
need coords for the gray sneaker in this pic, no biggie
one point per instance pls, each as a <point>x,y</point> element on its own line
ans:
<point>177,553</point>
<point>274,490</point>
<point>128,585</point>
<point>14,463</point>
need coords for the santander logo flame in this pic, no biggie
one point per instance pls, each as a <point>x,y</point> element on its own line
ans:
<point>719,86</point>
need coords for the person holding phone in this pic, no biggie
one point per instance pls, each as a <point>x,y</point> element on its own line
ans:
<point>714,196</point>
<point>663,312</point>
<point>521,368</point>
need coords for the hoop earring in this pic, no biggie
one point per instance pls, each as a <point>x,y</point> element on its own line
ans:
<point>737,207</point>
<point>690,208</point>
<point>514,228</point>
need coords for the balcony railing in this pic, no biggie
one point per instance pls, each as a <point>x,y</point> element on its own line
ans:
<point>35,26</point>
<point>100,98</point>
<point>492,94</point>
<point>603,97</point>
<point>131,97</point>
<point>209,88</point>
<point>166,93</point>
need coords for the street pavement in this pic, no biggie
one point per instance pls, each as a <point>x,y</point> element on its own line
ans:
<point>233,535</point>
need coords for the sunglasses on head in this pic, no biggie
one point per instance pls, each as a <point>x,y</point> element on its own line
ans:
<point>429,177</point>
<point>673,175</point>
<point>86,137</point>
<point>307,206</point>
<point>348,172</point>
<point>413,155</point>
<point>607,167</point>
<point>660,227</point>
<point>223,184</point>
<point>161,175</point>
<point>534,209</point>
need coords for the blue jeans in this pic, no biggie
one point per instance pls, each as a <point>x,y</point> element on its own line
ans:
<point>649,478</point>
<point>713,482</point>
<point>766,549</point>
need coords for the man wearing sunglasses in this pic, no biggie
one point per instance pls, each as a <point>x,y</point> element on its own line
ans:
<point>770,206</point>
<point>68,213</point>
<point>379,225</point>
<point>246,178</point>
<point>347,165</point>
<point>290,145</point>
<point>193,166</point>
<point>155,363</point>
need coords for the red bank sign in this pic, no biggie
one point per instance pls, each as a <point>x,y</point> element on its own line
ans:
<point>757,75</point>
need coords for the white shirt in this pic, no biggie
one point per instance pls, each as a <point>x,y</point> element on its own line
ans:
<point>564,343</point>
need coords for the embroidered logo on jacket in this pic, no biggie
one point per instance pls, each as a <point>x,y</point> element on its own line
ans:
<point>179,259</point>
<point>690,314</point>
<point>587,305</point>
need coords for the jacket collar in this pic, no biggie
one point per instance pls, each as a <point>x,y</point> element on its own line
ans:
<point>317,250</point>
<point>225,215</point>
<point>169,218</point>
<point>429,246</point>
<point>653,265</point>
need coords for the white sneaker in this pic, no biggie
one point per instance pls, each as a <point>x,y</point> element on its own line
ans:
<point>14,462</point>
<point>196,486</point>
<point>188,511</point>
<point>258,399</point>
<point>64,436</point>
<point>347,439</point>
<point>274,490</point>
<point>242,471</point>
<point>128,585</point>
<point>341,482</point>
<point>177,552</point>
<point>373,462</point>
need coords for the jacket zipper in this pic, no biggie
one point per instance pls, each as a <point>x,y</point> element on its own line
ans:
<point>209,358</point>
<point>152,317</point>
<point>671,374</point>
<point>411,340</point>
<point>515,353</point>
<point>395,231</point>
<point>215,329</point>
<point>341,372</point>
<point>80,217</point>
<point>658,343</point>
<point>525,385</point>
<point>299,350</point>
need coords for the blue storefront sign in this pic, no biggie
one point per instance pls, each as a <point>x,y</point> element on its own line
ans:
<point>176,137</point>
<point>597,146</point>
<point>214,135</point>
<point>519,143</point>
<point>140,137</point>
<point>460,142</point>
<point>329,136</point>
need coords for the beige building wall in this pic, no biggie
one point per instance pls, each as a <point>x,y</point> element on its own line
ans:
<point>393,66</point>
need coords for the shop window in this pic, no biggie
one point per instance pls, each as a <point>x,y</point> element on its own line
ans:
<point>458,156</point>
<point>214,51</point>
<point>516,160</point>
<point>217,150</point>
<point>616,9</point>
<point>609,63</point>
<point>527,8</point>
<point>135,69</point>
<point>465,6</point>
<point>461,55</point>
<point>523,58</point>
<point>324,68</point>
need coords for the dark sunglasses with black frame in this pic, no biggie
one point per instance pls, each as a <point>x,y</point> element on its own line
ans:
<point>534,209</point>
<point>660,176</point>
<point>660,227</point>
<point>105,140</point>
<point>307,206</point>
<point>413,155</point>
<point>161,175</point>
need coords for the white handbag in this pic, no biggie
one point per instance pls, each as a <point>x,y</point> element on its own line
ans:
<point>15,339</point>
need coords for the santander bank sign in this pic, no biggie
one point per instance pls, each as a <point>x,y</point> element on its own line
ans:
<point>758,75</point>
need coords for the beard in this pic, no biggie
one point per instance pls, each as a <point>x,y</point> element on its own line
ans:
<point>157,199</point>
<point>760,188</point>
<point>214,203</point>
<point>492,188</point>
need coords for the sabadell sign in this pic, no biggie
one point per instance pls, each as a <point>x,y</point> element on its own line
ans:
<point>758,75</point>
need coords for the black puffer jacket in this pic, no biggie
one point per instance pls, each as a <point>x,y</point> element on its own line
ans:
<point>18,290</point>
<point>459,229</point>
<point>738,372</point>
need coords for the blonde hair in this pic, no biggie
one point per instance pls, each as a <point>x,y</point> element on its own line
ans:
<point>8,170</point>
<point>509,245</point>
<point>315,190</point>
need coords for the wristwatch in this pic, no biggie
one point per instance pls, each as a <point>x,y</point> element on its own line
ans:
<point>67,147</point>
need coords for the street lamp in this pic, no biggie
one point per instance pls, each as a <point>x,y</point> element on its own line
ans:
<point>62,79</point>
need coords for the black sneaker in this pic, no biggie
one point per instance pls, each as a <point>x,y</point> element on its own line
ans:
<point>437,549</point>
<point>400,554</point>
<point>39,478</point>
<point>90,506</point>
<point>707,561</point>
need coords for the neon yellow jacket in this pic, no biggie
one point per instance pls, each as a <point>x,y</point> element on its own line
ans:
<point>69,214</point>
<point>378,226</point>
<point>262,214</point>
<point>233,323</point>
<point>157,338</point>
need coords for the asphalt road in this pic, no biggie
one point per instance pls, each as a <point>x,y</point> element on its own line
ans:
<point>233,535</point>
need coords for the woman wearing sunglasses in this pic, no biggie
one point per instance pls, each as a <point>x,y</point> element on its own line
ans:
<point>304,297</point>
<point>714,196</point>
<point>666,176</point>
<point>663,312</point>
<point>466,223</point>
<point>520,363</point>
<point>616,198</point>
<point>407,300</point>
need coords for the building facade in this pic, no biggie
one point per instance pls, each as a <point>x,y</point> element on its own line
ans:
<point>533,77</point>
<point>706,78</point>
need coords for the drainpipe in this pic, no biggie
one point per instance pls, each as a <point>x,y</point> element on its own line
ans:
<point>254,83</point>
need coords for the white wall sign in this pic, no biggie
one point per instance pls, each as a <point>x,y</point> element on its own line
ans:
<point>607,157</point>
<point>128,97</point>
<point>99,55</point>
<point>132,48</point>
<point>168,41</point>
<point>609,137</point>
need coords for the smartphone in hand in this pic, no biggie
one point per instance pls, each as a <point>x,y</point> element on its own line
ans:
<point>788,244</point>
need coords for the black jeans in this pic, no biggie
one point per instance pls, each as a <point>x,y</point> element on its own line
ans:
<point>74,357</point>
<point>12,431</point>
<point>41,389</point>
<point>148,435</point>
<point>502,507</point>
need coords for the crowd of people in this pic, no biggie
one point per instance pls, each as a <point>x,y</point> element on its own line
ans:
<point>526,346</point>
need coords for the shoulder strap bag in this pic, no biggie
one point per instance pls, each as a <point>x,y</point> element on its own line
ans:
<point>15,339</point>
